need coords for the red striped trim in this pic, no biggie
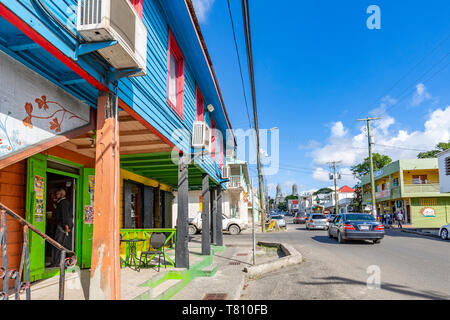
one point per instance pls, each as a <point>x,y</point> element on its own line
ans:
<point>44,43</point>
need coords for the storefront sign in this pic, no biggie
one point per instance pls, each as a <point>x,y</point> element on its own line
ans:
<point>378,173</point>
<point>428,212</point>
<point>89,210</point>
<point>39,198</point>
<point>33,110</point>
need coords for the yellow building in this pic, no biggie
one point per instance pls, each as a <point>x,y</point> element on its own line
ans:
<point>412,186</point>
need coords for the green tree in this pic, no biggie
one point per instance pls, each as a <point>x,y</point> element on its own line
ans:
<point>442,146</point>
<point>379,161</point>
<point>357,201</point>
<point>322,191</point>
<point>282,206</point>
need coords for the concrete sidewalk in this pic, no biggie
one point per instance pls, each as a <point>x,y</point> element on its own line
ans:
<point>226,283</point>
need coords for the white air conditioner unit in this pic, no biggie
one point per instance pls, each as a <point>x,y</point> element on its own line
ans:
<point>201,135</point>
<point>226,172</point>
<point>108,20</point>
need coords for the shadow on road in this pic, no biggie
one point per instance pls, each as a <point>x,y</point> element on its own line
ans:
<point>325,239</point>
<point>398,233</point>
<point>427,294</point>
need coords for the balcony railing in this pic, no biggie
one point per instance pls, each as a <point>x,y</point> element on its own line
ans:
<point>421,188</point>
<point>235,182</point>
<point>67,258</point>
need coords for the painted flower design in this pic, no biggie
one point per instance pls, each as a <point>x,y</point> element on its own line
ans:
<point>55,125</point>
<point>27,120</point>
<point>42,103</point>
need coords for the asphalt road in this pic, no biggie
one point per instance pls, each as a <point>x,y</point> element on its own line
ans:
<point>410,267</point>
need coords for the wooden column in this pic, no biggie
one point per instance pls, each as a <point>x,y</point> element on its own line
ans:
<point>206,236</point>
<point>219,234</point>
<point>157,207</point>
<point>213,216</point>
<point>105,264</point>
<point>182,250</point>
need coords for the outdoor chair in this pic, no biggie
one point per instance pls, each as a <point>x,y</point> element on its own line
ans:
<point>157,241</point>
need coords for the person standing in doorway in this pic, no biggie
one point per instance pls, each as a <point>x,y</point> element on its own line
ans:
<point>64,224</point>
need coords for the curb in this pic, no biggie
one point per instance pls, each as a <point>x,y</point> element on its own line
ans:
<point>292,257</point>
<point>421,233</point>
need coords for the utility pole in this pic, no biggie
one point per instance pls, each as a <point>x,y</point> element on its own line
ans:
<point>253,224</point>
<point>336,206</point>
<point>372,179</point>
<point>248,43</point>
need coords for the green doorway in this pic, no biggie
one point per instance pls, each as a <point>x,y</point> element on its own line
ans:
<point>46,174</point>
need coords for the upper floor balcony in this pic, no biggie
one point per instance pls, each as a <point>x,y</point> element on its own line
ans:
<point>236,183</point>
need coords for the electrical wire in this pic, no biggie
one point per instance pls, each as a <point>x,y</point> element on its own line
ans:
<point>239,63</point>
<point>409,72</point>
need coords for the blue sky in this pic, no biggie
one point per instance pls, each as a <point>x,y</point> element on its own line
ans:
<point>318,68</point>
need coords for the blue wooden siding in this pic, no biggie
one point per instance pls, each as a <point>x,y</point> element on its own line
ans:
<point>146,95</point>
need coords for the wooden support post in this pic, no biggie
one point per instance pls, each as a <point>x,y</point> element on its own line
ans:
<point>182,250</point>
<point>219,234</point>
<point>213,216</point>
<point>157,207</point>
<point>105,264</point>
<point>206,236</point>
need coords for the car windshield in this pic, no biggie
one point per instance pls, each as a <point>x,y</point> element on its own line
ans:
<point>318,216</point>
<point>277,217</point>
<point>359,217</point>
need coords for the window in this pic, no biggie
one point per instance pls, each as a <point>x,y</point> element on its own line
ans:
<point>199,106</point>
<point>221,154</point>
<point>395,182</point>
<point>447,166</point>
<point>420,179</point>
<point>427,202</point>
<point>175,76</point>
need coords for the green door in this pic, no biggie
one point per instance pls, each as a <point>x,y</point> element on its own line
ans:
<point>35,212</point>
<point>87,224</point>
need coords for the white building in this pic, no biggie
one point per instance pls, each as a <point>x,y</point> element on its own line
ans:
<point>345,196</point>
<point>234,199</point>
<point>444,170</point>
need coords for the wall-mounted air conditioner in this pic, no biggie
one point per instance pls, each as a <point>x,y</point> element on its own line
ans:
<point>201,135</point>
<point>226,172</point>
<point>108,20</point>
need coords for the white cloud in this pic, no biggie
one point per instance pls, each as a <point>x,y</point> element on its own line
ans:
<point>338,130</point>
<point>351,149</point>
<point>420,95</point>
<point>202,8</point>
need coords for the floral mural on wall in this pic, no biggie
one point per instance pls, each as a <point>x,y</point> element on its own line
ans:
<point>34,110</point>
<point>55,122</point>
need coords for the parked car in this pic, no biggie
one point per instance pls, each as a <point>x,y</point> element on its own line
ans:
<point>232,225</point>
<point>356,226</point>
<point>317,221</point>
<point>444,232</point>
<point>299,218</point>
<point>280,220</point>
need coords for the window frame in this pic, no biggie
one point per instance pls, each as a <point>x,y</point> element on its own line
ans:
<point>199,105</point>
<point>175,51</point>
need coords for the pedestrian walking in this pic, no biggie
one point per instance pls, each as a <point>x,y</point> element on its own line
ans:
<point>388,219</point>
<point>400,219</point>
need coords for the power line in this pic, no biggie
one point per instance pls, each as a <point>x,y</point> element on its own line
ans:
<point>397,147</point>
<point>409,72</point>
<point>239,63</point>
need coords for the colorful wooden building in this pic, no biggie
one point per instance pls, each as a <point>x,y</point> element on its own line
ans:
<point>411,185</point>
<point>73,114</point>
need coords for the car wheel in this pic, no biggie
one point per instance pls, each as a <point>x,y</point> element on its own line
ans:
<point>376,241</point>
<point>340,239</point>
<point>234,229</point>
<point>444,234</point>
<point>192,229</point>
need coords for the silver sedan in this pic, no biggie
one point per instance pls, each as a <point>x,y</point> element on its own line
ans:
<point>317,221</point>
